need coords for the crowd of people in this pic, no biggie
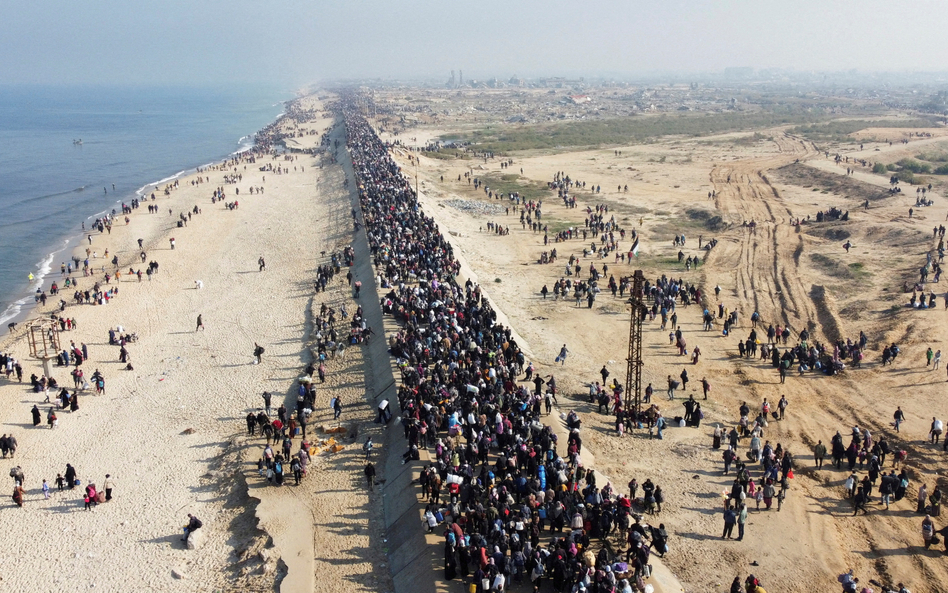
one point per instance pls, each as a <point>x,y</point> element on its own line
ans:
<point>506,476</point>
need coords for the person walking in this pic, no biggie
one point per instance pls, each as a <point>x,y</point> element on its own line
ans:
<point>370,475</point>
<point>193,525</point>
<point>705,387</point>
<point>936,361</point>
<point>819,452</point>
<point>297,469</point>
<point>337,407</point>
<point>70,476</point>
<point>561,358</point>
<point>109,485</point>
<point>730,518</point>
<point>741,521</point>
<point>266,401</point>
<point>200,324</point>
<point>672,386</point>
<point>936,430</point>
<point>859,501</point>
<point>258,353</point>
<point>899,417</point>
<point>367,447</point>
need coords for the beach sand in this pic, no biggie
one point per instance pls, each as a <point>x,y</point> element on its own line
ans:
<point>172,432</point>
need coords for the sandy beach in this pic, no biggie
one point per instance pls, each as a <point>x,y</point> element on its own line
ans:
<point>171,432</point>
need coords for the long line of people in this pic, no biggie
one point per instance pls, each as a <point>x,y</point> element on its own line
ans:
<point>505,475</point>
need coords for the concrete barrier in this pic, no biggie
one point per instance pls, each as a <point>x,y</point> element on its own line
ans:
<point>412,561</point>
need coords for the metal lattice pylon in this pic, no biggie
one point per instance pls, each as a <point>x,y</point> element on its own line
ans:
<point>633,377</point>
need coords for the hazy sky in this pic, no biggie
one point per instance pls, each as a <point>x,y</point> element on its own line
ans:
<point>295,42</point>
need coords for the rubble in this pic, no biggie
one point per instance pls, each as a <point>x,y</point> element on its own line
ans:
<point>476,208</point>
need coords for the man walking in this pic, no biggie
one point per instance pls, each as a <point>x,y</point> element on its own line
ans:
<point>819,452</point>
<point>193,525</point>
<point>730,518</point>
<point>200,324</point>
<point>370,475</point>
<point>562,356</point>
<point>899,417</point>
<point>741,521</point>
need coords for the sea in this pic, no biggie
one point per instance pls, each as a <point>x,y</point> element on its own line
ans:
<point>63,148</point>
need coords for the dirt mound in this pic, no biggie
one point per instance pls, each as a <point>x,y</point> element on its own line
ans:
<point>806,176</point>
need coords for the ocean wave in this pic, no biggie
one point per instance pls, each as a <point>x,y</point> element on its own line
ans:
<point>245,143</point>
<point>143,189</point>
<point>12,311</point>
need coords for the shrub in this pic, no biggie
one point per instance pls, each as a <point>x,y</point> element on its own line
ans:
<point>914,166</point>
<point>879,168</point>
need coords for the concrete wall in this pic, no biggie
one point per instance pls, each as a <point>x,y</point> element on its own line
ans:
<point>412,559</point>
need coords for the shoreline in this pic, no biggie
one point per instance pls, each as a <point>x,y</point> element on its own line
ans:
<point>21,307</point>
<point>168,431</point>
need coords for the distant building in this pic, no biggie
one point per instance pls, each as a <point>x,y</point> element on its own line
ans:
<point>579,99</point>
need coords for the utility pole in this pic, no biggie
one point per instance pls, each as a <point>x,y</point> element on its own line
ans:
<point>633,376</point>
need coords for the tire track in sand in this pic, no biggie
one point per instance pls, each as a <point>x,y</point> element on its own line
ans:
<point>767,265</point>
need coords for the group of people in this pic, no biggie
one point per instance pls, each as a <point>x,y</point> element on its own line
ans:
<point>506,475</point>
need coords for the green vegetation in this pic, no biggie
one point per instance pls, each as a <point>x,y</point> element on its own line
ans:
<point>942,170</point>
<point>751,139</point>
<point>510,183</point>
<point>933,157</point>
<point>910,178</point>
<point>637,129</point>
<point>556,226</point>
<point>840,131</point>
<point>447,154</point>
<point>697,214</point>
<point>715,223</point>
<point>909,170</point>
<point>913,166</point>
<point>858,271</point>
